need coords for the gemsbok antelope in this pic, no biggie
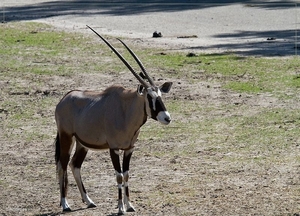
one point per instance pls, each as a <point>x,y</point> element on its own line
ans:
<point>110,119</point>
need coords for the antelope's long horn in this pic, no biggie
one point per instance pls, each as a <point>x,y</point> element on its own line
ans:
<point>140,79</point>
<point>139,63</point>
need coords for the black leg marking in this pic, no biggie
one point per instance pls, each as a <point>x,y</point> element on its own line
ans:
<point>77,161</point>
<point>126,161</point>
<point>119,193</point>
<point>79,156</point>
<point>115,160</point>
<point>127,192</point>
<point>65,184</point>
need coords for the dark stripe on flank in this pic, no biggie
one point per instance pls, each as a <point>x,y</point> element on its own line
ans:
<point>92,146</point>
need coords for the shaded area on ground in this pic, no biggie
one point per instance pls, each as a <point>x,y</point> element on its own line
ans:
<point>259,43</point>
<point>123,7</point>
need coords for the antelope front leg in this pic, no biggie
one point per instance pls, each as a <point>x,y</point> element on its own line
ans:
<point>114,154</point>
<point>126,161</point>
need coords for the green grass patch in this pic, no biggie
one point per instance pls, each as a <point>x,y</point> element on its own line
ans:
<point>47,51</point>
<point>243,87</point>
<point>240,74</point>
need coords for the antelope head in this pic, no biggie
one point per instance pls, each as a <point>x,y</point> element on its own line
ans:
<point>155,107</point>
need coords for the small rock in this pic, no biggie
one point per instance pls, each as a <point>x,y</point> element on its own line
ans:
<point>191,55</point>
<point>173,161</point>
<point>157,34</point>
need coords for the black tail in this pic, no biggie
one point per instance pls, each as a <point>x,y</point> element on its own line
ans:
<point>57,149</point>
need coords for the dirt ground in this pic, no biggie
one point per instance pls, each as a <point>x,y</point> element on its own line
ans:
<point>183,179</point>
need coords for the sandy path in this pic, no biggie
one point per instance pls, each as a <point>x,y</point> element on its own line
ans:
<point>267,29</point>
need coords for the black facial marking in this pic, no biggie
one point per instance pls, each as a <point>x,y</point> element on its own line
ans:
<point>159,106</point>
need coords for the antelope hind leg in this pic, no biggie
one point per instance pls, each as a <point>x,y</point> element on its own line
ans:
<point>63,147</point>
<point>75,165</point>
<point>63,184</point>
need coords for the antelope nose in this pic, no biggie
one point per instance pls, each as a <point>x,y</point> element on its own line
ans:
<point>168,119</point>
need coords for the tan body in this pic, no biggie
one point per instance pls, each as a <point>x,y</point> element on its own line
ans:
<point>109,119</point>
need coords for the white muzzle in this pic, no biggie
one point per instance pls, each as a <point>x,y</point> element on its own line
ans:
<point>164,117</point>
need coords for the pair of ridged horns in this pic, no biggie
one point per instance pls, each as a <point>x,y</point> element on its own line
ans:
<point>140,79</point>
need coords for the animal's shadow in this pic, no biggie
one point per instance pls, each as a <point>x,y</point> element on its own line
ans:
<point>66,213</point>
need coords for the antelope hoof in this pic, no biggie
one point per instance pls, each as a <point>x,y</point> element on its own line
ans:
<point>66,210</point>
<point>131,209</point>
<point>121,211</point>
<point>92,205</point>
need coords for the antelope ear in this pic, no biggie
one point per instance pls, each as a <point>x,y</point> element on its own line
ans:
<point>165,88</point>
<point>140,90</point>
